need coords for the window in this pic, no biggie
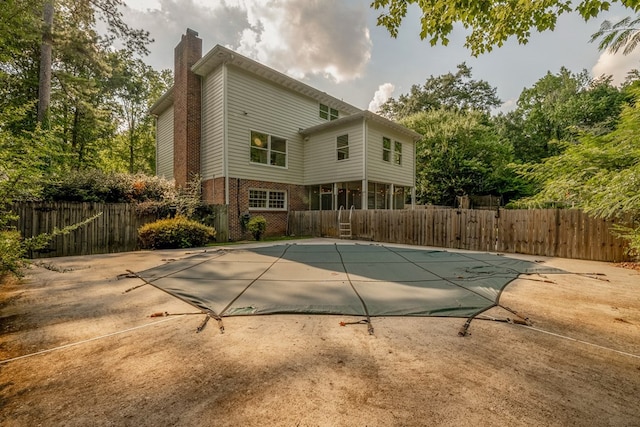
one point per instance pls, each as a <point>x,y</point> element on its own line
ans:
<point>267,200</point>
<point>386,149</point>
<point>328,113</point>
<point>378,195</point>
<point>268,149</point>
<point>397,153</point>
<point>343,147</point>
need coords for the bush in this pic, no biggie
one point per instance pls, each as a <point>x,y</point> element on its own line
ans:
<point>172,233</point>
<point>257,226</point>
<point>12,253</point>
<point>98,186</point>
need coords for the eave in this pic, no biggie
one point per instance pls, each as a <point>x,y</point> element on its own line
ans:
<point>363,115</point>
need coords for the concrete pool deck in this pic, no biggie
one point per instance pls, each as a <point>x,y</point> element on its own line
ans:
<point>77,350</point>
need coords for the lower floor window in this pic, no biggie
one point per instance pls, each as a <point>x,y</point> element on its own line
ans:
<point>267,199</point>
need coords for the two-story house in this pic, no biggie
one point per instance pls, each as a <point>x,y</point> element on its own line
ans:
<point>265,143</point>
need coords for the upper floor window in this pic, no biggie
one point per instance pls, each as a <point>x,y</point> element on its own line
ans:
<point>342,144</point>
<point>268,149</point>
<point>389,151</point>
<point>397,153</point>
<point>328,113</point>
<point>386,149</point>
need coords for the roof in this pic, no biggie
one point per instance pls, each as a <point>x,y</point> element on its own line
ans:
<point>222,55</point>
<point>164,102</point>
<point>362,115</point>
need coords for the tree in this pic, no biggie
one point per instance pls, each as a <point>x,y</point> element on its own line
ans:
<point>84,13</point>
<point>557,109</point>
<point>460,154</point>
<point>598,175</point>
<point>623,34</point>
<point>491,23</point>
<point>44,88</point>
<point>458,92</point>
<point>135,86</point>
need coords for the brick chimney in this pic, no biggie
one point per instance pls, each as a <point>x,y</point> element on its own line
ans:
<point>186,109</point>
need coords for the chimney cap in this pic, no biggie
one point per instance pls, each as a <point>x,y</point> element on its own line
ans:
<point>191,32</point>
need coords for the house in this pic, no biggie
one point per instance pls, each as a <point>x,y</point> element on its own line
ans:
<point>265,143</point>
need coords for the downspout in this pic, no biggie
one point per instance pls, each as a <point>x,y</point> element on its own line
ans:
<point>155,118</point>
<point>225,135</point>
<point>202,159</point>
<point>365,179</point>
<point>415,161</point>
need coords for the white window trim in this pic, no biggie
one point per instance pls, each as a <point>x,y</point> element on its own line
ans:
<point>389,151</point>
<point>396,153</point>
<point>268,150</point>
<point>330,117</point>
<point>348,151</point>
<point>267,208</point>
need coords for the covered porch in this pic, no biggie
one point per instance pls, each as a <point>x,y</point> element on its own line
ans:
<point>361,194</point>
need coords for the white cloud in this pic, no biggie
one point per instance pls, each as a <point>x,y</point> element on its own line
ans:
<point>302,37</point>
<point>617,65</point>
<point>381,96</point>
<point>329,38</point>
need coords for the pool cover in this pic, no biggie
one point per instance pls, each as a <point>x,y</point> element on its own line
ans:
<point>346,279</point>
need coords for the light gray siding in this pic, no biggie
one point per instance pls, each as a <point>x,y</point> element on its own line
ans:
<point>212,143</point>
<point>321,161</point>
<point>260,105</point>
<point>164,154</point>
<point>388,172</point>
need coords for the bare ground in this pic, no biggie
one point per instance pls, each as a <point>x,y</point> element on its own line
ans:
<point>578,366</point>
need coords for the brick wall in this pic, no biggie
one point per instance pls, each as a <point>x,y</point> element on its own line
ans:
<point>276,220</point>
<point>186,109</point>
<point>213,191</point>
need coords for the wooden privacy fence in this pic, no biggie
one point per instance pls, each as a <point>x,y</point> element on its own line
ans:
<point>116,230</point>
<point>565,233</point>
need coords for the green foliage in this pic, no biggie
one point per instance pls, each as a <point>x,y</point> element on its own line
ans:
<point>489,23</point>
<point>624,34</point>
<point>557,109</point>
<point>97,186</point>
<point>12,253</point>
<point>134,85</point>
<point>89,85</point>
<point>600,174</point>
<point>460,154</point>
<point>257,225</point>
<point>171,233</point>
<point>458,92</point>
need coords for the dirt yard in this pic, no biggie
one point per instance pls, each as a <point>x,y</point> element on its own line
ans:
<point>111,364</point>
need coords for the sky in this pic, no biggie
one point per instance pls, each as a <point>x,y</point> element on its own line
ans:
<point>336,46</point>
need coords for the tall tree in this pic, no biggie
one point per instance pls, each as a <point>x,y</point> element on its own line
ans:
<point>490,23</point>
<point>44,88</point>
<point>457,92</point>
<point>599,174</point>
<point>135,86</point>
<point>556,110</point>
<point>460,154</point>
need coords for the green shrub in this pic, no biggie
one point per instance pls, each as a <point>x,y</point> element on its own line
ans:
<point>257,226</point>
<point>12,253</point>
<point>172,233</point>
<point>98,186</point>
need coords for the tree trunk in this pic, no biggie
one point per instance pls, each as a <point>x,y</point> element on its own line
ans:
<point>44,86</point>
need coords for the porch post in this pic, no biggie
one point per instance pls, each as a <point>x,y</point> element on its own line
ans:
<point>391,194</point>
<point>413,198</point>
<point>365,194</point>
